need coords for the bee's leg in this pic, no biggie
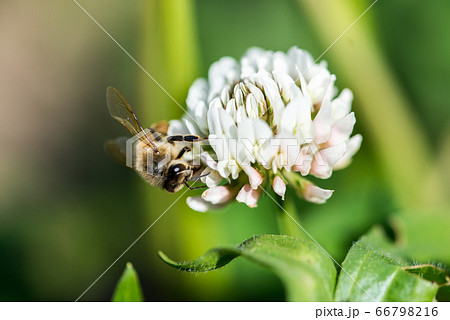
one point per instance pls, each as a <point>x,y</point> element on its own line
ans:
<point>182,152</point>
<point>195,188</point>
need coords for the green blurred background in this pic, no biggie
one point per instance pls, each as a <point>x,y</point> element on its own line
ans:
<point>67,210</point>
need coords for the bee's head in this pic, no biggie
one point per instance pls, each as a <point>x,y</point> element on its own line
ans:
<point>177,174</point>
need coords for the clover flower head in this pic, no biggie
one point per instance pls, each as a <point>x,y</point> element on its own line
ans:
<point>272,118</point>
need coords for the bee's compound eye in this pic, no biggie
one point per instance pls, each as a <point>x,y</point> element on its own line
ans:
<point>175,179</point>
<point>176,169</point>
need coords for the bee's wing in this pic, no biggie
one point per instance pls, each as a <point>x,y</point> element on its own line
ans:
<point>121,111</point>
<point>117,149</point>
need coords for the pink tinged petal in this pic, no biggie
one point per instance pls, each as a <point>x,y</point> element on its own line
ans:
<point>217,195</point>
<point>322,123</point>
<point>315,194</point>
<point>342,129</point>
<point>353,146</point>
<point>198,204</point>
<point>279,187</point>
<point>248,196</point>
<point>325,159</point>
<point>333,154</point>
<point>254,177</point>
<point>304,161</point>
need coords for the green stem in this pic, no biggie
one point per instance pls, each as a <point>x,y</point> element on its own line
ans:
<point>288,221</point>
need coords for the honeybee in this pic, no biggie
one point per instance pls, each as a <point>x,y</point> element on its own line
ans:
<point>158,157</point>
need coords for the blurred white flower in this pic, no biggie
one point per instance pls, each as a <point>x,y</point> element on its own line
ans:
<point>315,194</point>
<point>274,117</point>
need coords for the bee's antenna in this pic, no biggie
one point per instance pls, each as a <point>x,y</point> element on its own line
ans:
<point>195,188</point>
<point>198,177</point>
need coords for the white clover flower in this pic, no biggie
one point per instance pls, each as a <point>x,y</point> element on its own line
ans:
<point>271,119</point>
